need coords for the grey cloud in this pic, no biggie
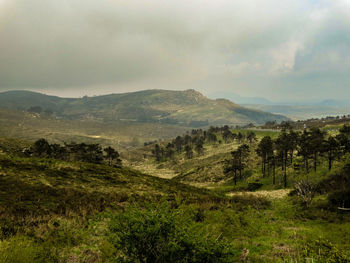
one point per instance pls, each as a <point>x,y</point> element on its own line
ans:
<point>271,48</point>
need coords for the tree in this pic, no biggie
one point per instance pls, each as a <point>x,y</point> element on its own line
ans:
<point>189,151</point>
<point>240,137</point>
<point>41,148</point>
<point>178,143</point>
<point>345,130</point>
<point>332,149</point>
<point>344,143</point>
<point>265,150</point>
<point>212,137</point>
<point>226,135</point>
<point>231,166</point>
<point>199,146</point>
<point>283,146</point>
<point>241,154</point>
<point>305,148</point>
<point>58,151</point>
<point>157,152</point>
<point>251,137</point>
<point>272,159</point>
<point>237,162</point>
<point>187,139</point>
<point>344,139</point>
<point>316,141</point>
<point>93,153</point>
<point>293,143</point>
<point>169,151</point>
<point>111,155</point>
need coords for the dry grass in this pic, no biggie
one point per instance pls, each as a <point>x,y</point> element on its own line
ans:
<point>273,194</point>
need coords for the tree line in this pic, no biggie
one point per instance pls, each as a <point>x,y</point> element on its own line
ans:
<point>311,145</point>
<point>92,153</point>
<point>193,142</point>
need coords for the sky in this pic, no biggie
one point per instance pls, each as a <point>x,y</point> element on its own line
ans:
<point>277,49</point>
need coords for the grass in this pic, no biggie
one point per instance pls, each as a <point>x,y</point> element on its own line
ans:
<point>59,211</point>
<point>120,134</point>
<point>54,211</point>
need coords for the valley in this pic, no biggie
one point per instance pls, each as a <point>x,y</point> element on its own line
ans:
<point>65,202</point>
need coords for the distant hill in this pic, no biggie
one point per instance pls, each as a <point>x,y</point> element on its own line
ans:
<point>335,103</point>
<point>186,108</point>
<point>302,112</point>
<point>239,99</point>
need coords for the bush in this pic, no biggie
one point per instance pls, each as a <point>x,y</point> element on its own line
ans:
<point>161,234</point>
<point>306,191</point>
<point>338,187</point>
<point>254,186</point>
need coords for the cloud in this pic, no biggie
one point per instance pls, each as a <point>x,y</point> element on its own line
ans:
<point>250,47</point>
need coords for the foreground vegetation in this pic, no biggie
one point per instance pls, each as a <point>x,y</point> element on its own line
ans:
<point>79,202</point>
<point>56,210</point>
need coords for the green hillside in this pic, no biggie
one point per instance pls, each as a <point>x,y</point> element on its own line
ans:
<point>65,211</point>
<point>185,108</point>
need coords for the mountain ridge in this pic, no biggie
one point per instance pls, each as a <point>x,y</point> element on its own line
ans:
<point>188,107</point>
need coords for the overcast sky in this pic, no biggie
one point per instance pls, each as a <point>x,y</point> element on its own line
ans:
<point>278,49</point>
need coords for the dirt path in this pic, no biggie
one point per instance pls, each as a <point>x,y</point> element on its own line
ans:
<point>273,194</point>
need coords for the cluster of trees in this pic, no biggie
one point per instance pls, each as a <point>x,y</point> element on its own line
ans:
<point>187,143</point>
<point>193,142</point>
<point>313,122</point>
<point>92,153</point>
<point>238,161</point>
<point>311,145</point>
<point>39,110</point>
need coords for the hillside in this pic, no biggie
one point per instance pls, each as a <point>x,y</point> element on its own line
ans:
<point>122,134</point>
<point>68,211</point>
<point>185,108</point>
<point>204,170</point>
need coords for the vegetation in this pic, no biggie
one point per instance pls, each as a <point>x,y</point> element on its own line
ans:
<point>265,196</point>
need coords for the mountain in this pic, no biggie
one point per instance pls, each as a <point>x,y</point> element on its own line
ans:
<point>186,108</point>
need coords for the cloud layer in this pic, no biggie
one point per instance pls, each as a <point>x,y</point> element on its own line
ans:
<point>277,49</point>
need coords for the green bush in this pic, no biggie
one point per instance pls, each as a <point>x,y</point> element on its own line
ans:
<point>161,234</point>
<point>338,187</point>
<point>254,186</point>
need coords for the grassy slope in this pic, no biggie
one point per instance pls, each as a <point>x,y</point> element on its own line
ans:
<point>204,170</point>
<point>60,210</point>
<point>30,126</point>
<point>33,185</point>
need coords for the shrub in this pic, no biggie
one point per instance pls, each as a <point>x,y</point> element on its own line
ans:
<point>338,187</point>
<point>306,191</point>
<point>254,186</point>
<point>161,234</point>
